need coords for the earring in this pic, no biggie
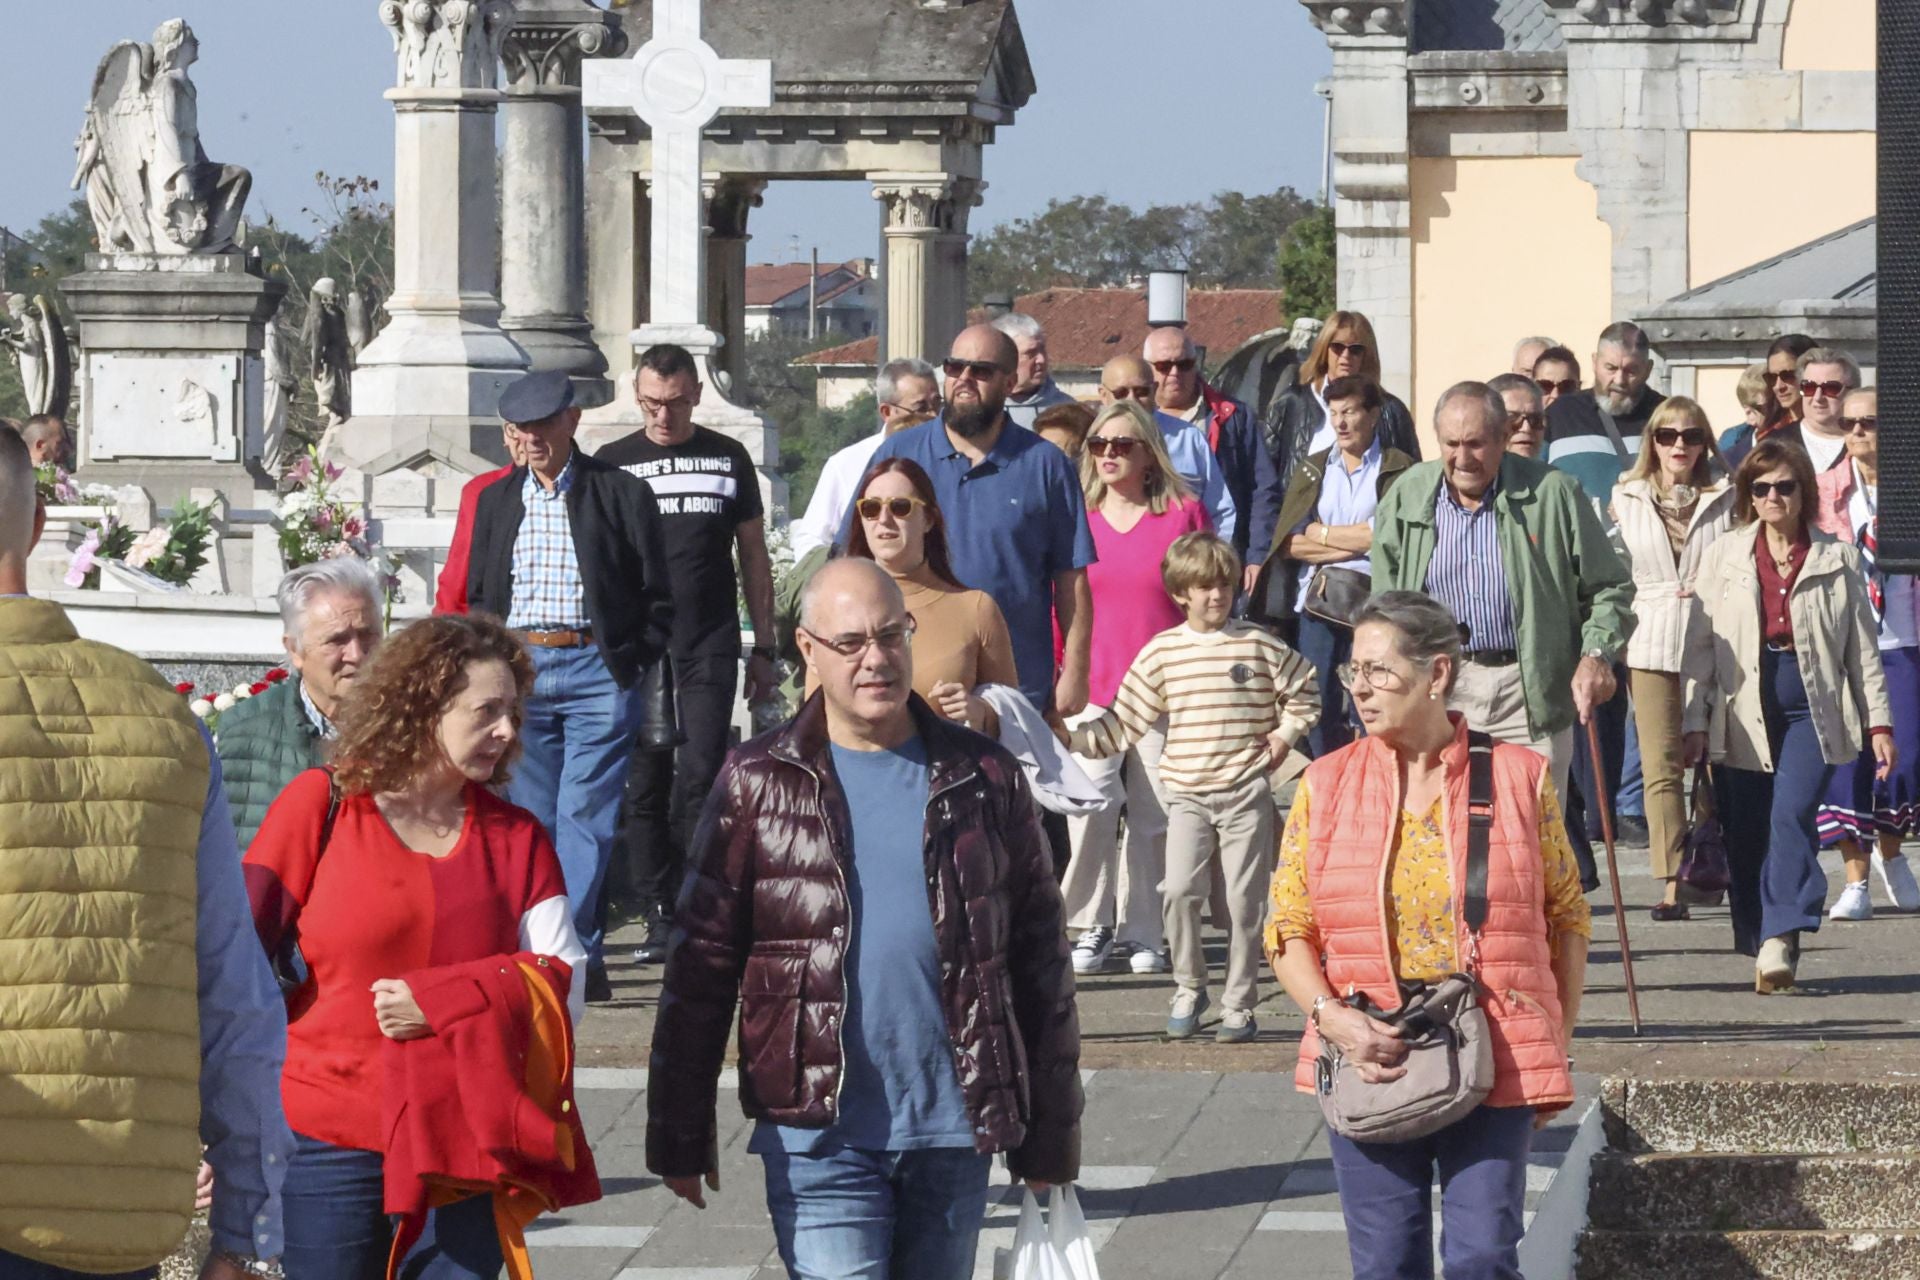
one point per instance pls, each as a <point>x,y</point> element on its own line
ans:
<point>1433,695</point>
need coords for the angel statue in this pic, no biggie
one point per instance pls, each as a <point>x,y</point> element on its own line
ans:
<point>329,351</point>
<point>281,383</point>
<point>40,352</point>
<point>149,184</point>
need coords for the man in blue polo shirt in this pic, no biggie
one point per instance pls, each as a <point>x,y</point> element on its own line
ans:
<point>1016,519</point>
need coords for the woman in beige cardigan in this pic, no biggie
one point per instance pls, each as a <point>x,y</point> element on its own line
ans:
<point>1783,682</point>
<point>1669,509</point>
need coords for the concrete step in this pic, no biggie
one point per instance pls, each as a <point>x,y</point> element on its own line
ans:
<point>1684,1192</point>
<point>1787,1117</point>
<point>1749,1255</point>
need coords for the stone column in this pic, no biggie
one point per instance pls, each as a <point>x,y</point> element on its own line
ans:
<point>1372,192</point>
<point>730,201</point>
<point>950,256</point>
<point>543,267</point>
<point>436,372</point>
<point>619,247</point>
<point>919,208</point>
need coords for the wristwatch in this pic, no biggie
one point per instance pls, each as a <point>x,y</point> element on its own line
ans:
<point>268,1269</point>
<point>1599,655</point>
<point>764,651</point>
<point>1313,1014</point>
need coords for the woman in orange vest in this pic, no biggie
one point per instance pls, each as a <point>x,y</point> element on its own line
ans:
<point>1368,897</point>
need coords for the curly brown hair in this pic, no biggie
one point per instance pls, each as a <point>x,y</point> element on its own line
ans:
<point>389,721</point>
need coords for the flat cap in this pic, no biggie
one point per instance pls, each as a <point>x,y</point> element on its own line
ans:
<point>536,397</point>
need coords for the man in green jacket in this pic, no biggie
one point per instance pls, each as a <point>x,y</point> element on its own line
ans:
<point>331,611</point>
<point>1514,549</point>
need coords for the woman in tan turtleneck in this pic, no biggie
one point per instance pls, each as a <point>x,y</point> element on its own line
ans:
<point>960,640</point>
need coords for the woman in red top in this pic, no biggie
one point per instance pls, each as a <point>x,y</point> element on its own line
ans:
<point>412,863</point>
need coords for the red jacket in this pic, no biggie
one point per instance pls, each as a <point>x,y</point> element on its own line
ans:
<point>450,595</point>
<point>485,1103</point>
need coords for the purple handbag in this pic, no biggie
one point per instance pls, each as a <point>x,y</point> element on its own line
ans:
<point>1703,867</point>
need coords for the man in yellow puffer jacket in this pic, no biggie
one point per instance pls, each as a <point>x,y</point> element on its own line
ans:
<point>138,1016</point>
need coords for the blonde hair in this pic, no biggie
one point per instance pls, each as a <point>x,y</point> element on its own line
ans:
<point>1165,487</point>
<point>1753,391</point>
<point>1198,560</point>
<point>1357,328</point>
<point>1680,412</point>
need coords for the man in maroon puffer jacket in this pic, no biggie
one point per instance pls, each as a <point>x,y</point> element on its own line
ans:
<point>872,884</point>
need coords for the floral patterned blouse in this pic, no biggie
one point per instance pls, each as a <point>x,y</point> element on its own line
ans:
<point>1420,888</point>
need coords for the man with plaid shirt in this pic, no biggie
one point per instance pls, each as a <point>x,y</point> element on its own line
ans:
<point>567,550</point>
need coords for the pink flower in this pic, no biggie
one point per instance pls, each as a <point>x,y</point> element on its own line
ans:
<point>334,472</point>
<point>148,545</point>
<point>354,526</point>
<point>336,550</point>
<point>323,519</point>
<point>83,560</point>
<point>301,471</point>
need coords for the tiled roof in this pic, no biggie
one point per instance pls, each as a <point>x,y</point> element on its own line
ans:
<point>1087,327</point>
<point>1842,266</point>
<point>768,283</point>
<point>1512,26</point>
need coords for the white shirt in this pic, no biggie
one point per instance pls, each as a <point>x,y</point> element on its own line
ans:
<point>1324,437</point>
<point>1824,450</point>
<point>1897,626</point>
<point>832,494</point>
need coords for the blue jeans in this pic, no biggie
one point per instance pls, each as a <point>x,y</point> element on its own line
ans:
<point>846,1214</point>
<point>576,739</point>
<point>1632,800</point>
<point>1326,646</point>
<point>1387,1198</point>
<point>337,1230</point>
<point>1773,850</point>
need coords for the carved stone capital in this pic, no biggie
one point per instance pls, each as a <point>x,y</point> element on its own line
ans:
<point>730,201</point>
<point>928,204</point>
<point>448,44</point>
<point>550,40</point>
<point>1359,18</point>
<point>1656,19</point>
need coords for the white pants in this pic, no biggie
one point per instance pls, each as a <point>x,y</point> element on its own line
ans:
<point>1103,887</point>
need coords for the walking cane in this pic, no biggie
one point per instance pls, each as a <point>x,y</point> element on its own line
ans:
<point>1613,871</point>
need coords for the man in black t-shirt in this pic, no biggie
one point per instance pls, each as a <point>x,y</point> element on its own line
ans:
<point>710,507</point>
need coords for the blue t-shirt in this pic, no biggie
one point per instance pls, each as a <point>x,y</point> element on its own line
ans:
<point>1013,522</point>
<point>899,1088</point>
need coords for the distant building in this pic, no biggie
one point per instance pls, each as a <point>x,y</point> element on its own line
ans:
<point>845,300</point>
<point>1085,329</point>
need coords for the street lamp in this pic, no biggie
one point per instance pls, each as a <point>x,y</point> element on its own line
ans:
<point>1325,89</point>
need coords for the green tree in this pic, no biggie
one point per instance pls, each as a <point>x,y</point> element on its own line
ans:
<point>1307,266</point>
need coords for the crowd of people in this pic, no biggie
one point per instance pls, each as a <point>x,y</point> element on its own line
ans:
<point>1070,678</point>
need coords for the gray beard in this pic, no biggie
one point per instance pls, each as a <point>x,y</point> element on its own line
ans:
<point>973,423</point>
<point>1617,406</point>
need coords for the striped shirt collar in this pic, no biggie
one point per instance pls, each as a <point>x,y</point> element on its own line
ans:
<point>315,717</point>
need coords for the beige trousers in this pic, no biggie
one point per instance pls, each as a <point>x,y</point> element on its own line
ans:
<point>1238,825</point>
<point>1656,716</point>
<point>1109,880</point>
<point>1494,701</point>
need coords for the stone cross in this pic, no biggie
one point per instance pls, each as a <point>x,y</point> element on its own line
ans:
<point>676,83</point>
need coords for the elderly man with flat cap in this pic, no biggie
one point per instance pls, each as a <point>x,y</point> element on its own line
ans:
<point>567,551</point>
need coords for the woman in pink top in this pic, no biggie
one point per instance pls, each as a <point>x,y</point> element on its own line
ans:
<point>1137,504</point>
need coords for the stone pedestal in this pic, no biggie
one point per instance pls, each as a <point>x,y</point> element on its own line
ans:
<point>172,388</point>
<point>730,202</point>
<point>543,253</point>
<point>433,378</point>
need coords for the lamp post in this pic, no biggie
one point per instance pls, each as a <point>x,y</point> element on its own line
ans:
<point>1325,89</point>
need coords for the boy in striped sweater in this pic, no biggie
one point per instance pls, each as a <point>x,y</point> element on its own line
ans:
<point>1236,702</point>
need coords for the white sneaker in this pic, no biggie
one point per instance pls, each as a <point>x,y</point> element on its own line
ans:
<point>1149,960</point>
<point>1896,877</point>
<point>1093,950</point>
<point>1853,903</point>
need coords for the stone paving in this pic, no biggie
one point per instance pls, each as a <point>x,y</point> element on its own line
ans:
<point>1200,1160</point>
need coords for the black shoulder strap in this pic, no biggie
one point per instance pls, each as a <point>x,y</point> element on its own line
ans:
<point>1479,826</point>
<point>333,811</point>
<point>1613,430</point>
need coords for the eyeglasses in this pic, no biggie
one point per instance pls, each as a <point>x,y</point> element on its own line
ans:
<point>1376,675</point>
<point>1868,425</point>
<point>1782,375</point>
<point>898,508</point>
<point>1778,488</point>
<point>1565,387</point>
<point>929,405</point>
<point>1111,446</point>
<point>1130,393</point>
<point>1184,364</point>
<point>1692,437</point>
<point>978,370</point>
<point>890,640</point>
<point>1832,390</point>
<point>1534,420</point>
<point>1355,349</point>
<point>654,408</point>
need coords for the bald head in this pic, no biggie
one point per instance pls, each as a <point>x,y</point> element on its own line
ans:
<point>1126,378</point>
<point>848,581</point>
<point>856,636</point>
<point>1171,355</point>
<point>984,342</point>
<point>20,515</point>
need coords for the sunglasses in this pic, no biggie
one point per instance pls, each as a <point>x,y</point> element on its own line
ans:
<point>898,508</point>
<point>1355,349</point>
<point>1130,393</point>
<point>1868,425</point>
<point>1111,446</point>
<point>1692,437</point>
<point>1781,375</point>
<point>979,370</point>
<point>1778,488</point>
<point>1183,365</point>
<point>1534,420</point>
<point>1832,390</point>
<point>1564,388</point>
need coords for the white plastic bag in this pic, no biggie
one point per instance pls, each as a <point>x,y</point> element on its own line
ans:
<point>1056,1247</point>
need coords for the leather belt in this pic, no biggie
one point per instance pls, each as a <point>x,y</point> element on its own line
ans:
<point>558,639</point>
<point>1491,657</point>
<point>1775,647</point>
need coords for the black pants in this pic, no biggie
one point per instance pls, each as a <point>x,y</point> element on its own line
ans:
<point>666,789</point>
<point>1578,805</point>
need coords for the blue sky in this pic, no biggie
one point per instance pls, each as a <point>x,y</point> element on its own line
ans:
<point>288,92</point>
